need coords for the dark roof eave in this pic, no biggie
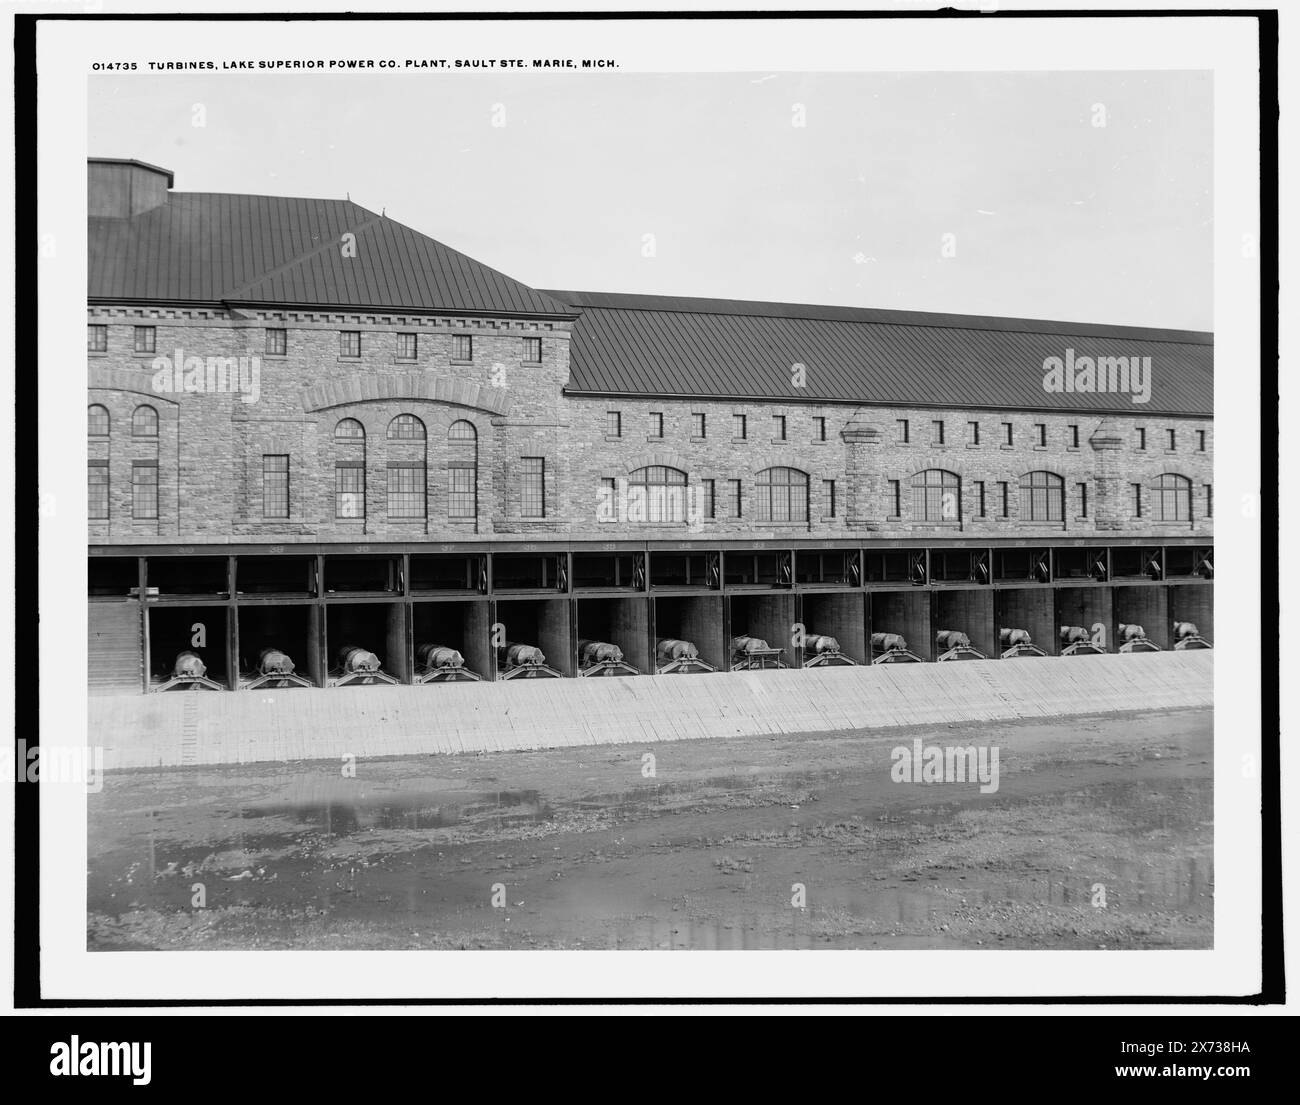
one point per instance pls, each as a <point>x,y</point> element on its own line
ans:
<point>1100,412</point>
<point>548,316</point>
<point>332,307</point>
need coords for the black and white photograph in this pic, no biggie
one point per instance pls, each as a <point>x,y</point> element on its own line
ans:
<point>655,486</point>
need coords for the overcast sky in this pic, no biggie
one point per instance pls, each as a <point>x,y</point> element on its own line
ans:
<point>1051,216</point>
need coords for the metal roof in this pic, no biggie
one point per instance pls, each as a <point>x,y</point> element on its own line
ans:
<point>637,345</point>
<point>203,247</point>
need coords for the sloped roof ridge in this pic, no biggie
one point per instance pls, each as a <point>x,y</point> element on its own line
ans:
<point>880,316</point>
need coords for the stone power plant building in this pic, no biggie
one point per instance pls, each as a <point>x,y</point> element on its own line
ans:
<point>325,449</point>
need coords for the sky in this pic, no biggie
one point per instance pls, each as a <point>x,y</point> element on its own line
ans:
<point>972,193</point>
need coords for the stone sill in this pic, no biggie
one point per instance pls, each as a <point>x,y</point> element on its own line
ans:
<point>461,364</point>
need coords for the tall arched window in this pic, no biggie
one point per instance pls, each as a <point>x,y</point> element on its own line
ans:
<point>782,495</point>
<point>144,422</point>
<point>656,494</point>
<point>407,485</point>
<point>1042,497</point>
<point>462,470</point>
<point>1171,500</point>
<point>936,497</point>
<point>97,420</point>
<point>350,469</point>
<point>406,427</point>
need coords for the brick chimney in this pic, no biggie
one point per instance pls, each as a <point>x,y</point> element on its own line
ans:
<point>120,189</point>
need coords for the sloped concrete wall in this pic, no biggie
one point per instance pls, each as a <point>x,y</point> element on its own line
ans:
<point>208,727</point>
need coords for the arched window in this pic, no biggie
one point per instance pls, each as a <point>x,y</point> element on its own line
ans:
<point>406,427</point>
<point>97,420</point>
<point>1172,498</point>
<point>144,422</point>
<point>350,469</point>
<point>1042,497</point>
<point>462,470</point>
<point>782,495</point>
<point>656,494</point>
<point>936,497</point>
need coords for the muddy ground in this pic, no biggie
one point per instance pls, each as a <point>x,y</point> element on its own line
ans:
<point>581,849</point>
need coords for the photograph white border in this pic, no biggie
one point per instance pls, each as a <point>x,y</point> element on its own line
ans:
<point>1227,46</point>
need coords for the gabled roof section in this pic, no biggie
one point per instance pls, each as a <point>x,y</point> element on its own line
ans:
<point>203,247</point>
<point>638,345</point>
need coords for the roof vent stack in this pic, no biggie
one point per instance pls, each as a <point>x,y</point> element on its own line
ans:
<point>121,189</point>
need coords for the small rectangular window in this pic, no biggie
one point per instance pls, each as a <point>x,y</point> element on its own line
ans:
<point>349,343</point>
<point>1136,488</point>
<point>613,423</point>
<point>1040,428</point>
<point>697,425</point>
<point>350,489</point>
<point>1008,434</point>
<point>532,350</point>
<point>974,428</point>
<point>1173,439</point>
<point>1142,437</point>
<point>1004,499</point>
<point>895,498</point>
<point>1074,436</point>
<point>406,347</point>
<point>979,499</point>
<point>1209,500</point>
<point>532,487</point>
<point>97,338</point>
<point>778,427</point>
<point>144,489</point>
<point>1200,441</point>
<point>277,341</point>
<point>97,489</point>
<point>733,498</point>
<point>819,428</point>
<point>739,427</point>
<point>1083,499</point>
<point>656,428</point>
<point>937,427</point>
<point>709,506</point>
<point>462,347</point>
<point>904,430</point>
<point>146,339</point>
<point>828,498</point>
<point>275,485</point>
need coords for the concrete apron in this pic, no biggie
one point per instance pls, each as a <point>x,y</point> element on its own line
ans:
<point>199,727</point>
